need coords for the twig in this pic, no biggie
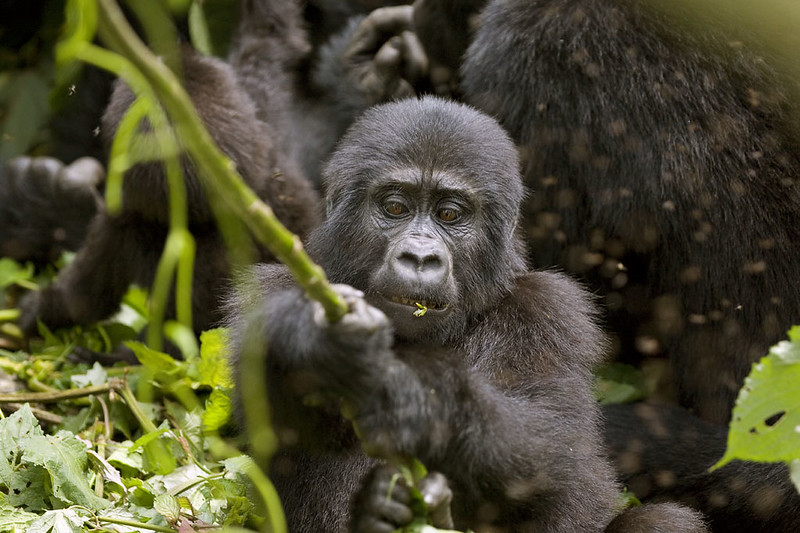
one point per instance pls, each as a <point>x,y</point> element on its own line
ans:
<point>217,171</point>
<point>57,396</point>
<point>40,414</point>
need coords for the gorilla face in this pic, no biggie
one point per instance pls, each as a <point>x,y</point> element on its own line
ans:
<point>421,217</point>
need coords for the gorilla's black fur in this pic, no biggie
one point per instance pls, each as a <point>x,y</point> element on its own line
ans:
<point>665,172</point>
<point>125,248</point>
<point>491,387</point>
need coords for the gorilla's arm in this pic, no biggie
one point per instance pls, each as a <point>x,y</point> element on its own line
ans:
<point>312,95</point>
<point>92,285</point>
<point>514,435</point>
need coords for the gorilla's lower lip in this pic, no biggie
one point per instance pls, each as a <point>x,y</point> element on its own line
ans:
<point>416,303</point>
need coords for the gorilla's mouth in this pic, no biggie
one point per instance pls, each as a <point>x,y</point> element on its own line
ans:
<point>416,303</point>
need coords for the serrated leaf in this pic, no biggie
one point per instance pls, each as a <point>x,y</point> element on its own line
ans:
<point>15,430</point>
<point>765,425</point>
<point>12,517</point>
<point>59,521</point>
<point>168,506</point>
<point>218,410</point>
<point>213,368</point>
<point>65,459</point>
<point>109,473</point>
<point>124,457</point>
<point>29,490</point>
<point>238,466</point>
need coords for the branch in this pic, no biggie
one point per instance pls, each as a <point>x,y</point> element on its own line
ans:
<point>216,170</point>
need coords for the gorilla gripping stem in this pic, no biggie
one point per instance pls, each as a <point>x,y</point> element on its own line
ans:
<point>226,190</point>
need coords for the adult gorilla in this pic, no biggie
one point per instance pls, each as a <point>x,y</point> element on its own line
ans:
<point>490,387</point>
<point>666,172</point>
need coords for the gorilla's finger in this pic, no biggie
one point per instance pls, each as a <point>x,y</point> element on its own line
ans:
<point>41,171</point>
<point>85,171</point>
<point>378,26</point>
<point>388,59</point>
<point>443,80</point>
<point>373,525</point>
<point>415,60</point>
<point>437,494</point>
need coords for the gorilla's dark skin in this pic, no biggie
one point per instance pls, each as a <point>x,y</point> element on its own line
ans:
<point>666,151</point>
<point>491,387</point>
<point>125,248</point>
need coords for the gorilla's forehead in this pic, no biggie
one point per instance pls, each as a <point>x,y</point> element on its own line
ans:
<point>421,180</point>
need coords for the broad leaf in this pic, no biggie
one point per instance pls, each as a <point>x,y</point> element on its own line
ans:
<point>65,458</point>
<point>766,417</point>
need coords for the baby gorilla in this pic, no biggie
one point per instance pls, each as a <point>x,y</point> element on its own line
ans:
<point>487,381</point>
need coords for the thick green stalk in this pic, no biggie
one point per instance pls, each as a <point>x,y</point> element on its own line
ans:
<point>216,170</point>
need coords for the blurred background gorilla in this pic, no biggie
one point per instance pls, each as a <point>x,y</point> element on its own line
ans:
<point>273,109</point>
<point>491,386</point>
<point>125,248</point>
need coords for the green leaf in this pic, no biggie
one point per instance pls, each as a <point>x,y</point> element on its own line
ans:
<point>153,360</point>
<point>12,272</point>
<point>29,490</point>
<point>168,506</point>
<point>183,337</point>
<point>619,383</point>
<point>127,459</point>
<point>60,521</point>
<point>766,419</point>
<point>27,111</point>
<point>12,518</point>
<point>213,368</point>
<point>218,410</point>
<point>96,375</point>
<point>15,431</point>
<point>65,459</point>
<point>136,299</point>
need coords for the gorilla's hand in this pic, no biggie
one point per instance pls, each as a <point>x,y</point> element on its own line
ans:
<point>348,355</point>
<point>46,206</point>
<point>45,305</point>
<point>385,56</point>
<point>364,327</point>
<point>383,504</point>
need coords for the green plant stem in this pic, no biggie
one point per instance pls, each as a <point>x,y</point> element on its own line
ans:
<point>44,416</point>
<point>217,171</point>
<point>131,523</point>
<point>276,521</point>
<point>133,405</point>
<point>8,315</point>
<point>57,396</point>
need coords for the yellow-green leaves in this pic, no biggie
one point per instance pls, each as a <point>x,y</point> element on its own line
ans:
<point>766,420</point>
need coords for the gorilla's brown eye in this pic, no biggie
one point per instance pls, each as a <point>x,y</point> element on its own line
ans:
<point>447,214</point>
<point>395,208</point>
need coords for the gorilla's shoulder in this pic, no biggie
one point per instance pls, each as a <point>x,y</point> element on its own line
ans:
<point>547,289</point>
<point>553,315</point>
